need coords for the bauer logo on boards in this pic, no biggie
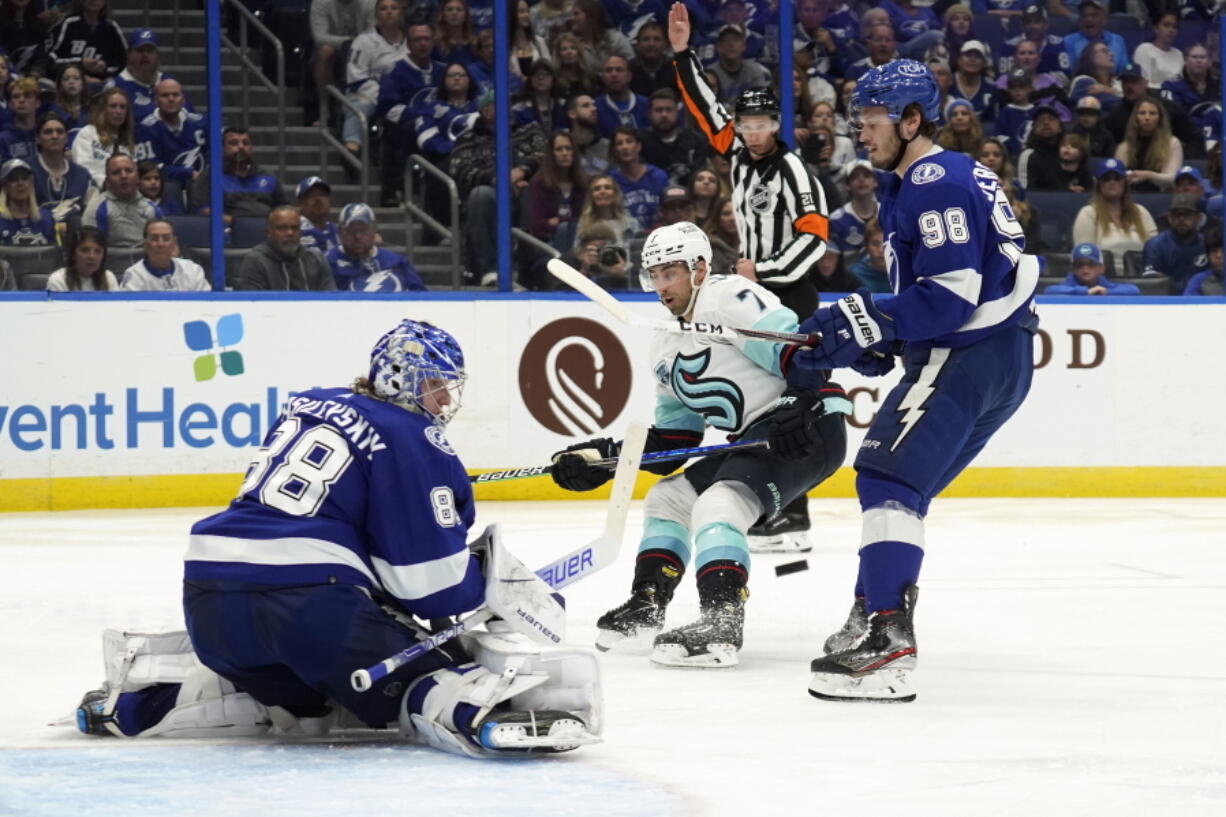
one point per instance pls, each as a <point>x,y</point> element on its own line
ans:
<point>574,377</point>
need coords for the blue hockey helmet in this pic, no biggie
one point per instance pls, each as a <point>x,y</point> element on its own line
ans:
<point>894,86</point>
<point>420,367</point>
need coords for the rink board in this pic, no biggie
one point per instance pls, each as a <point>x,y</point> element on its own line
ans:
<point>161,401</point>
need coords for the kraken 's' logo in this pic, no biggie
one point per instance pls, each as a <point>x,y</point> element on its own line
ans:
<point>719,400</point>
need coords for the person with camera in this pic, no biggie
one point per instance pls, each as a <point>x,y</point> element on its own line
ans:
<point>599,255</point>
<point>780,210</point>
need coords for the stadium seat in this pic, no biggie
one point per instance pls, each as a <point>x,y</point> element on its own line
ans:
<point>1057,211</point>
<point>1191,32</point>
<point>192,231</point>
<point>1133,266</point>
<point>120,258</point>
<point>234,259</point>
<point>245,232</point>
<point>1058,266</point>
<point>1123,23</point>
<point>33,265</point>
<point>33,281</point>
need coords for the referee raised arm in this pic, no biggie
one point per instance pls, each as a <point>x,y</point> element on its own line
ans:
<point>780,208</point>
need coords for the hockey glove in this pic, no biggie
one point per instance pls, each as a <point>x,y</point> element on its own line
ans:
<point>848,327</point>
<point>572,468</point>
<point>794,434</point>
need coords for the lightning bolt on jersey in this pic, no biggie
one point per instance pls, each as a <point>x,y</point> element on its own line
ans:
<point>954,252</point>
<point>348,489</point>
<point>709,380</point>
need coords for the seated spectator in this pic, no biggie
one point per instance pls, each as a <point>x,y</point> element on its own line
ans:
<point>593,148</point>
<point>651,69</point>
<point>1089,124</point>
<point>605,205</point>
<point>1136,90</point>
<point>22,222</point>
<point>111,130</point>
<point>455,96</point>
<point>71,101</point>
<point>1208,280</point>
<point>1088,278</point>
<point>1036,166</point>
<point>1092,28</point>
<point>973,82</point>
<point>823,32</point>
<point>359,266</point>
<point>618,105</point>
<point>848,223</point>
<point>641,184</point>
<point>372,55</point>
<point>964,133</point>
<point>173,137</point>
<point>536,100</point>
<point>735,72</point>
<point>675,206</point>
<point>1027,56</point>
<point>89,37</point>
<point>1074,163</point>
<point>881,47</point>
<point>1112,220</point>
<point>917,27</point>
<point>589,23</point>
<point>17,139</point>
<point>995,158</point>
<point>23,36</point>
<point>121,212</point>
<point>454,36</point>
<point>1095,77</point>
<point>334,25</point>
<point>153,187</point>
<point>85,268</point>
<point>740,15</point>
<point>1198,88</point>
<point>831,276</point>
<point>1052,58</point>
<point>1159,59</point>
<point>60,185</point>
<point>870,268</point>
<point>844,151</point>
<point>248,190</point>
<point>575,67</point>
<point>667,145</point>
<point>556,193</point>
<point>400,91</point>
<point>527,49</point>
<point>1013,119</point>
<point>600,256</point>
<point>705,193</point>
<point>1177,252</point>
<point>143,74</point>
<point>162,269</point>
<point>1190,181</point>
<point>482,66</point>
<point>1150,151</point>
<point>315,203</point>
<point>817,152</point>
<point>281,262</point>
<point>721,228</point>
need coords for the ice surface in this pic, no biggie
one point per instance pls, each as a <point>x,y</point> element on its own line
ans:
<point>1071,663</point>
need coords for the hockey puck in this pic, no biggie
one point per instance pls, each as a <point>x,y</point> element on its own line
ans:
<point>791,567</point>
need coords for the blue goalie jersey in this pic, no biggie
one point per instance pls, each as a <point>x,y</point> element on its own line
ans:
<point>954,252</point>
<point>348,489</point>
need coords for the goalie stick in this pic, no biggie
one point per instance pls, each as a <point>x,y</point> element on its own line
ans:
<point>658,456</point>
<point>587,559</point>
<point>594,292</point>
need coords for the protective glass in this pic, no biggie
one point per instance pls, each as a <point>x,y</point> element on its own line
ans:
<point>760,126</point>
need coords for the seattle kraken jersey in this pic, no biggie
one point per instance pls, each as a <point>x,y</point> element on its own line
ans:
<point>954,252</point>
<point>727,384</point>
<point>349,489</point>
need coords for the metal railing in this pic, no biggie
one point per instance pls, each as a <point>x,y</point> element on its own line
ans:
<point>174,17</point>
<point>535,243</point>
<point>245,19</point>
<point>411,211</point>
<point>326,138</point>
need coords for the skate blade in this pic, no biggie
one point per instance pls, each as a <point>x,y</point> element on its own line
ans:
<point>619,644</point>
<point>717,656</point>
<point>886,686</point>
<point>781,543</point>
<point>563,736</point>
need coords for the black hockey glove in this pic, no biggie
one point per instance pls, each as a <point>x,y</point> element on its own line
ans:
<point>572,468</point>
<point>794,434</point>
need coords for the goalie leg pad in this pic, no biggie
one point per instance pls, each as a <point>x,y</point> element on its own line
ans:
<point>210,706</point>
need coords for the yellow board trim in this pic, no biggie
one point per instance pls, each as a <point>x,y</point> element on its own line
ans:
<point>201,490</point>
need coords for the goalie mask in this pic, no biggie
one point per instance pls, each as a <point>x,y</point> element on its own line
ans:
<point>682,242</point>
<point>419,367</point>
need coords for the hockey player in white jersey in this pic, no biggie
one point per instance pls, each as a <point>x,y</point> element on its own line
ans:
<point>703,513</point>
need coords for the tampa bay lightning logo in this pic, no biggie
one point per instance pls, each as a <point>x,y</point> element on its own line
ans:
<point>718,400</point>
<point>437,439</point>
<point>927,172</point>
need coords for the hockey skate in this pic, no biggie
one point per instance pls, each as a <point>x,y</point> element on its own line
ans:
<point>93,717</point>
<point>852,630</point>
<point>712,642</point>
<point>533,731</point>
<point>878,667</point>
<point>786,533</point>
<point>630,627</point>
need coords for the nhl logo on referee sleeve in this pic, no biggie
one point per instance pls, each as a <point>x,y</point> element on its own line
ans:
<point>927,172</point>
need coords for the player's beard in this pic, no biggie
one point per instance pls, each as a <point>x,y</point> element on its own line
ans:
<point>885,156</point>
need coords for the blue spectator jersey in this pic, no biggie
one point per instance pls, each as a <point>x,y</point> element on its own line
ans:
<point>17,143</point>
<point>1205,282</point>
<point>906,25</point>
<point>1053,58</point>
<point>611,114</point>
<point>305,513</point>
<point>1071,286</point>
<point>402,88</point>
<point>1013,126</point>
<point>72,123</point>
<point>324,239</point>
<point>382,271</point>
<point>1076,42</point>
<point>624,14</point>
<point>847,231</point>
<point>28,232</point>
<point>66,196</point>
<point>982,99</point>
<point>142,97</point>
<point>642,196</point>
<point>180,153</point>
<point>433,124</point>
<point>1166,255</point>
<point>954,252</point>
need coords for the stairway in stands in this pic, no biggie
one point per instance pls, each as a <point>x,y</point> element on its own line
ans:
<point>186,62</point>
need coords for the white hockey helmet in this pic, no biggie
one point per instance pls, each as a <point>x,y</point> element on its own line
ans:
<point>671,243</point>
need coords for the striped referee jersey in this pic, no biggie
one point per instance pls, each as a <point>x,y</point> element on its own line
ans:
<point>780,208</point>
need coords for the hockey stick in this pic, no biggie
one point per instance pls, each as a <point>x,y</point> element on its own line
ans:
<point>592,291</point>
<point>595,555</point>
<point>658,456</point>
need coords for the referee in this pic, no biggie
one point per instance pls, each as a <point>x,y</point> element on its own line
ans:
<point>781,218</point>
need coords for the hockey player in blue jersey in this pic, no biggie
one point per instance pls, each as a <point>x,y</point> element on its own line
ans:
<point>350,521</point>
<point>962,319</point>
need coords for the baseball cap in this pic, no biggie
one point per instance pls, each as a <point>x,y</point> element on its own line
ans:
<point>358,213</point>
<point>1034,11</point>
<point>730,27</point>
<point>1044,107</point>
<point>1188,170</point>
<point>973,45</point>
<point>675,193</point>
<point>1131,71</point>
<point>858,164</point>
<point>12,166</point>
<point>486,98</point>
<point>1019,76</point>
<point>142,36</point>
<point>1087,252</point>
<point>1089,103</point>
<point>309,182</point>
<point>1110,166</point>
<point>1184,201</point>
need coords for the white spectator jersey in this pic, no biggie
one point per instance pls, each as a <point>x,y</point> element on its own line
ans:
<point>370,57</point>
<point>709,380</point>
